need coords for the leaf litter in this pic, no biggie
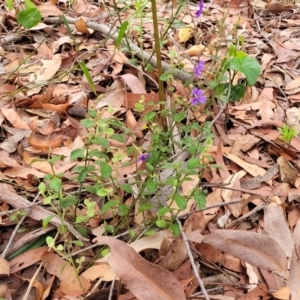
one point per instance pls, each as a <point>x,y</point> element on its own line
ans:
<point>41,107</point>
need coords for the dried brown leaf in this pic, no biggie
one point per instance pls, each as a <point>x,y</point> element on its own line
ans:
<point>287,171</point>
<point>145,280</point>
<point>250,247</point>
<point>293,84</point>
<point>80,26</point>
<point>70,283</point>
<point>13,117</point>
<point>114,96</point>
<point>4,266</point>
<point>134,84</point>
<point>276,227</point>
<point>26,259</point>
<point>295,266</point>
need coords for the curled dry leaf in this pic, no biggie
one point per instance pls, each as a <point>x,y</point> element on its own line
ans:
<point>256,249</point>
<point>44,143</point>
<point>198,50</point>
<point>80,26</point>
<point>145,280</point>
<point>185,34</point>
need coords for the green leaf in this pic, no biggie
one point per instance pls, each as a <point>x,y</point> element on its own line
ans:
<point>87,123</point>
<point>220,88</point>
<point>102,192</point>
<point>149,116</point>
<point>62,229</point>
<point>9,4</point>
<point>180,116</point>
<point>180,201</point>
<point>192,163</point>
<point>108,205</point>
<point>248,65</point>
<point>175,229</point>
<point>55,184</point>
<point>82,175</point>
<point>101,141</point>
<point>145,206</point>
<point>77,153</point>
<point>106,170</point>
<point>88,76</point>
<point>240,54</point>
<point>29,18</point>
<point>42,188</point>
<point>78,243</point>
<point>237,92</point>
<point>108,131</point>
<point>151,185</point>
<point>200,199</point>
<point>68,201</point>
<point>83,231</point>
<point>121,33</point>
<point>162,211</point>
<point>29,4</point>
<point>50,241</point>
<point>60,247</point>
<point>46,221</point>
<point>161,223</point>
<point>126,187</point>
<point>118,137</point>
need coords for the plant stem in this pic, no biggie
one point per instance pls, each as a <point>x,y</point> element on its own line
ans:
<point>158,60</point>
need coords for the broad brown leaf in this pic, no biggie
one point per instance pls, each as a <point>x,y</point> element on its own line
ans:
<point>256,249</point>
<point>295,266</point>
<point>145,280</point>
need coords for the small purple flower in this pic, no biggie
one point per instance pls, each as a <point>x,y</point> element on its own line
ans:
<point>198,97</point>
<point>200,9</point>
<point>199,68</point>
<point>143,157</point>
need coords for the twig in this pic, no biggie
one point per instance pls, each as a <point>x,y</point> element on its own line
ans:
<point>32,282</point>
<point>245,216</point>
<point>17,227</point>
<point>179,74</point>
<point>185,240</point>
<point>12,211</point>
<point>112,288</point>
<point>10,39</point>
<point>14,233</point>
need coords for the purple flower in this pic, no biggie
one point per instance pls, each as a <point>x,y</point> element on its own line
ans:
<point>198,97</point>
<point>200,9</point>
<point>143,157</point>
<point>199,68</point>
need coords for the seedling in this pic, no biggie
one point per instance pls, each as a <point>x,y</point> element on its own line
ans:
<point>287,133</point>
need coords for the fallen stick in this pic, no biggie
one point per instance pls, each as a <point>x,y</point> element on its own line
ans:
<point>9,196</point>
<point>105,30</point>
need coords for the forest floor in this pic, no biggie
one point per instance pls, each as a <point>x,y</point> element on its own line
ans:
<point>187,171</point>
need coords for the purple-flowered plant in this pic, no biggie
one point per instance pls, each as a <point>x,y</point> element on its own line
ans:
<point>200,9</point>
<point>199,68</point>
<point>198,97</point>
<point>143,157</point>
